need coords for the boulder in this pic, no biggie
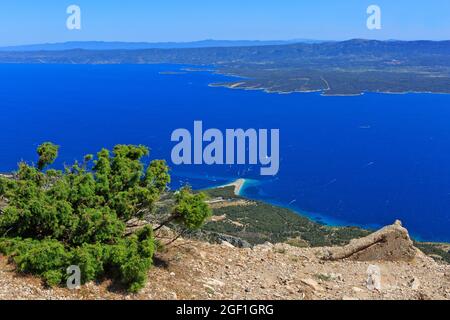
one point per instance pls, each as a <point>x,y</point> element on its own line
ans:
<point>392,243</point>
<point>373,281</point>
<point>234,241</point>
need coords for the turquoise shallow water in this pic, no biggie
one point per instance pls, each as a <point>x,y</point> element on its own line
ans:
<point>365,160</point>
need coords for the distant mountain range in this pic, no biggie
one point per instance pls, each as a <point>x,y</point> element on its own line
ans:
<point>333,68</point>
<point>103,45</point>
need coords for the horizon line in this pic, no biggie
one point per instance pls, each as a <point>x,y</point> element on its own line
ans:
<point>299,40</point>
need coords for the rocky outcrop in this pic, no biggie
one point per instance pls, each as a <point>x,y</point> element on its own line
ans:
<point>391,243</point>
<point>234,241</point>
<point>190,269</point>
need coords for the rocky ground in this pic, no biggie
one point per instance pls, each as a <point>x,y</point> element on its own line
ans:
<point>199,270</point>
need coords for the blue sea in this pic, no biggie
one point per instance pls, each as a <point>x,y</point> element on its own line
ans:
<point>362,160</point>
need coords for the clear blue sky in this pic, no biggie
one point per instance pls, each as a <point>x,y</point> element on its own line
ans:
<point>38,21</point>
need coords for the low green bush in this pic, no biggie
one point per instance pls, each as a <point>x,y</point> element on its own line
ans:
<point>77,216</point>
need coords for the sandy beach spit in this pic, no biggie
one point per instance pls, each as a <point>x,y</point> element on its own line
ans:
<point>238,185</point>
